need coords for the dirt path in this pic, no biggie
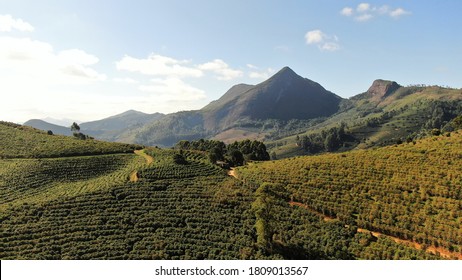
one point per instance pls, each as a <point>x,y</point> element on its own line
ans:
<point>149,159</point>
<point>431,249</point>
<point>134,176</point>
<point>232,172</point>
<point>445,253</point>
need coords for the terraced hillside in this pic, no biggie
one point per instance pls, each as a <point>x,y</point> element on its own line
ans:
<point>19,141</point>
<point>91,207</point>
<point>55,211</point>
<point>409,191</point>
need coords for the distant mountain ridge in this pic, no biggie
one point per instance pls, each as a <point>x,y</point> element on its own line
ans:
<point>117,128</point>
<point>43,125</point>
<point>114,128</point>
<point>283,107</point>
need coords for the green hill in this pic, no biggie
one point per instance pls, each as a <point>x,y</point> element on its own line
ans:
<point>411,191</point>
<point>283,97</point>
<point>384,115</point>
<point>150,206</point>
<point>19,141</point>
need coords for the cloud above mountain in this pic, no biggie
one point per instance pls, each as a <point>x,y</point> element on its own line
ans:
<point>221,69</point>
<point>322,40</point>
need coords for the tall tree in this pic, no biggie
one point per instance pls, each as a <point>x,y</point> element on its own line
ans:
<point>75,128</point>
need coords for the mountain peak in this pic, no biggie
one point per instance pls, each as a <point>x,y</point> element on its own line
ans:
<point>285,73</point>
<point>284,96</point>
<point>382,88</point>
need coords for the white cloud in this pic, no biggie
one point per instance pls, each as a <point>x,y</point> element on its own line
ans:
<point>218,66</point>
<point>158,65</point>
<point>251,66</point>
<point>365,12</point>
<point>347,11</point>
<point>8,24</point>
<point>32,60</point>
<point>399,12</point>
<point>323,41</point>
<point>75,56</point>
<point>261,74</point>
<point>35,80</point>
<point>363,7</point>
<point>173,89</point>
<point>314,37</point>
<point>81,71</point>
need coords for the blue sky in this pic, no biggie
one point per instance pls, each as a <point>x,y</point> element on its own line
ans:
<point>86,60</point>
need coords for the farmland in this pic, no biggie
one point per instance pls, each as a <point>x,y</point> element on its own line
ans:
<point>87,206</point>
<point>411,191</point>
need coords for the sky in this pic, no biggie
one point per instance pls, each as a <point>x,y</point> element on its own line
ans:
<point>85,60</point>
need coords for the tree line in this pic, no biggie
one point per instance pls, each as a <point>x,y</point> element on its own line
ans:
<point>234,154</point>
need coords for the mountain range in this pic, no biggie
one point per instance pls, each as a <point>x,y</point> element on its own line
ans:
<point>283,107</point>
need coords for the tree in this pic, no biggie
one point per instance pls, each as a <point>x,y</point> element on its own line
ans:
<point>215,154</point>
<point>237,158</point>
<point>178,158</point>
<point>75,128</point>
<point>262,207</point>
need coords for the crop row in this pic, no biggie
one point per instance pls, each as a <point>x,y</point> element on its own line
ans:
<point>166,219</point>
<point>400,191</point>
<point>22,180</point>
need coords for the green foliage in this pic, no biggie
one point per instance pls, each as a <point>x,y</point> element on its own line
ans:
<point>236,157</point>
<point>165,219</point>
<point>25,142</point>
<point>75,127</point>
<point>178,158</point>
<point>409,111</point>
<point>327,141</point>
<point>86,208</point>
<point>234,153</point>
<point>165,167</point>
<point>458,122</point>
<point>40,180</point>
<point>262,206</point>
<point>412,191</point>
<point>252,150</point>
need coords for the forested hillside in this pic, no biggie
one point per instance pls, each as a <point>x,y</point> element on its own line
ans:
<point>386,114</point>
